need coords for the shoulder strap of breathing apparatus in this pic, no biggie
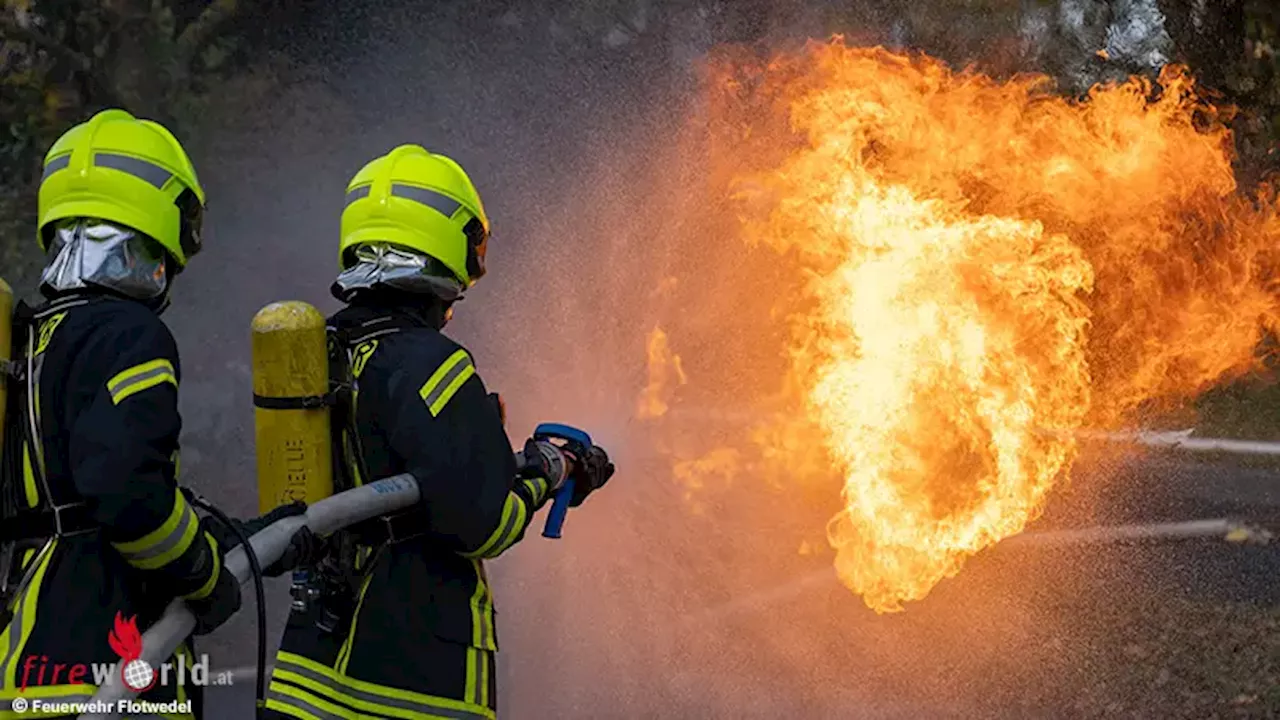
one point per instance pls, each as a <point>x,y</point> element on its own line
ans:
<point>351,551</point>
<point>13,375</point>
<point>23,528</point>
<point>349,349</point>
<point>52,516</point>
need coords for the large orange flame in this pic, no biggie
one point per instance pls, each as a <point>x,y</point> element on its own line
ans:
<point>983,268</point>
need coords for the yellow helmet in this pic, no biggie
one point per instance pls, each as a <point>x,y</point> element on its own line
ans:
<point>118,168</point>
<point>422,202</point>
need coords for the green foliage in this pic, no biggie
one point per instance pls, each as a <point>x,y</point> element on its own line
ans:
<point>62,60</point>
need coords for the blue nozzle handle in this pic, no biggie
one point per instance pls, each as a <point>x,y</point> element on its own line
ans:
<point>559,510</point>
<point>578,442</point>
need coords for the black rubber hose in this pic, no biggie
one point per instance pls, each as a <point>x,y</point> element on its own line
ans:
<point>259,594</point>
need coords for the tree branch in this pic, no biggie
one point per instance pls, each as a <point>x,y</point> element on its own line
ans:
<point>11,28</point>
<point>201,30</point>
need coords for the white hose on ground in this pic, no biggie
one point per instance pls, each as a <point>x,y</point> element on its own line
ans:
<point>323,517</point>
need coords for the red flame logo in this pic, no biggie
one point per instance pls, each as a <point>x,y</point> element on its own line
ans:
<point>125,638</point>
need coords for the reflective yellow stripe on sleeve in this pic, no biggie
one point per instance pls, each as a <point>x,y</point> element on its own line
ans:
<point>514,516</point>
<point>445,381</point>
<point>207,587</point>
<point>537,487</point>
<point>167,542</point>
<point>140,377</point>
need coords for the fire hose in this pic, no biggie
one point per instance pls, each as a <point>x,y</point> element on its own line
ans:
<point>324,517</point>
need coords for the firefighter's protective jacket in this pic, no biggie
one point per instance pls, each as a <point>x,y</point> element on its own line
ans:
<point>105,379</point>
<point>422,639</point>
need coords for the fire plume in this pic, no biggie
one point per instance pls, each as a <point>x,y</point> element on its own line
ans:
<point>981,269</point>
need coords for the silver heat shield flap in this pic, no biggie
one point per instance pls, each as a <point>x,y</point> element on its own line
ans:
<point>383,265</point>
<point>94,253</point>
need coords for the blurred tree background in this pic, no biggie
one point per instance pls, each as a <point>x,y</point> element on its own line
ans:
<point>62,60</point>
<point>172,60</point>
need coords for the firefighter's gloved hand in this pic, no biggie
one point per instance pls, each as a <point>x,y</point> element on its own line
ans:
<point>218,606</point>
<point>254,526</point>
<point>542,459</point>
<point>305,547</point>
<point>590,474</point>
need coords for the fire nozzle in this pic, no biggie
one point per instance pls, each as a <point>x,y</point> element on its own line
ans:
<point>576,443</point>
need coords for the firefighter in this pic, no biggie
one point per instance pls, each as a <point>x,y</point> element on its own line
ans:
<point>95,526</point>
<point>404,623</point>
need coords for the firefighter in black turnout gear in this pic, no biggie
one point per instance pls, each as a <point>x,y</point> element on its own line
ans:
<point>400,620</point>
<point>94,521</point>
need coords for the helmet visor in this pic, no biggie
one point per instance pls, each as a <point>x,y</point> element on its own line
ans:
<point>93,253</point>
<point>386,265</point>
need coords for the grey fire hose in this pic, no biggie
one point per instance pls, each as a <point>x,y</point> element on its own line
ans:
<point>324,517</point>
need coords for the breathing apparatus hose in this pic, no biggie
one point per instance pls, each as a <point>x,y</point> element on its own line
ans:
<point>259,593</point>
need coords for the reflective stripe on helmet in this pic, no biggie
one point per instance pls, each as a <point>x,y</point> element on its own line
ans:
<point>442,204</point>
<point>54,165</point>
<point>141,169</point>
<point>358,194</point>
<point>439,202</point>
<point>148,172</point>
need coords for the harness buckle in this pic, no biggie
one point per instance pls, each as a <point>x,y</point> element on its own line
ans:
<point>72,525</point>
<point>388,526</point>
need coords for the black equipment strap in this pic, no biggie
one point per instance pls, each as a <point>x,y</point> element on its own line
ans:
<point>390,529</point>
<point>39,524</point>
<point>306,402</point>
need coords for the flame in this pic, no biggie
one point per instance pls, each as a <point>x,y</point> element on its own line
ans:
<point>664,373</point>
<point>980,268</point>
<point>125,639</point>
<point>719,465</point>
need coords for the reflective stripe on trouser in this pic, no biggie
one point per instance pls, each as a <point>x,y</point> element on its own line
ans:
<point>303,688</point>
<point>28,616</point>
<point>16,634</point>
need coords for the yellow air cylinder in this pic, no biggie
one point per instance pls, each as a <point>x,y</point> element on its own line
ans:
<point>6,343</point>
<point>290,362</point>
